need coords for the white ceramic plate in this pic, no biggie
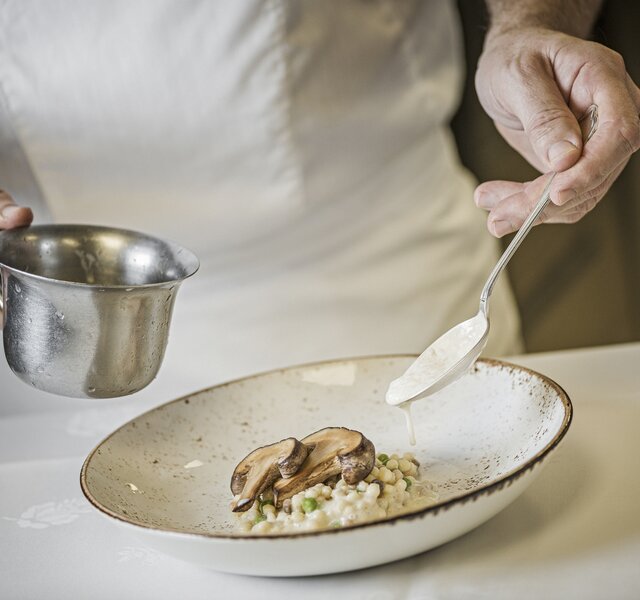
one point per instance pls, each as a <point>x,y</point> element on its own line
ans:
<point>165,475</point>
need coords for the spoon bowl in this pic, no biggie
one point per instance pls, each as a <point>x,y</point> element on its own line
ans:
<point>442,362</point>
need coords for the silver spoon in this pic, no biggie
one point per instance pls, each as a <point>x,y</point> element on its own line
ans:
<point>452,354</point>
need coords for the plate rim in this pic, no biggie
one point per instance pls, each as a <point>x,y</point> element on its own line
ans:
<point>506,480</point>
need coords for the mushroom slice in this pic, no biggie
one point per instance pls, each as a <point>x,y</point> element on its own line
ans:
<point>335,450</point>
<point>257,471</point>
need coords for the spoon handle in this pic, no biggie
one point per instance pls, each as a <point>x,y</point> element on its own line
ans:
<point>514,245</point>
<point>591,117</point>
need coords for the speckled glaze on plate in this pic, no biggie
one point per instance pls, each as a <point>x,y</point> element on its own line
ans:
<point>165,474</point>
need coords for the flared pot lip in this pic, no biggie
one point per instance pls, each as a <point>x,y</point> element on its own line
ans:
<point>189,260</point>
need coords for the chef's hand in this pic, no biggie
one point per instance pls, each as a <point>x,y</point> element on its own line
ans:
<point>12,215</point>
<point>533,83</point>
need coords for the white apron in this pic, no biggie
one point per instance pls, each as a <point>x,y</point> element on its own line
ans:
<point>300,148</point>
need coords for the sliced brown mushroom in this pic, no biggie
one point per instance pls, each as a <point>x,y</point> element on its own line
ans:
<point>258,470</point>
<point>335,450</point>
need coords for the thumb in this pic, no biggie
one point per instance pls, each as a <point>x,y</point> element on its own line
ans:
<point>12,215</point>
<point>552,129</point>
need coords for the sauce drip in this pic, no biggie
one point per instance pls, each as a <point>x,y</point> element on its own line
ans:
<point>406,409</point>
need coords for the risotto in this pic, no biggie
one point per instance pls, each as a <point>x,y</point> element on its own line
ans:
<point>392,487</point>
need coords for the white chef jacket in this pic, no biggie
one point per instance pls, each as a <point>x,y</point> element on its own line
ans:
<point>300,147</point>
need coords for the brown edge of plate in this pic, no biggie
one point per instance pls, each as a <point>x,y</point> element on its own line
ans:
<point>504,481</point>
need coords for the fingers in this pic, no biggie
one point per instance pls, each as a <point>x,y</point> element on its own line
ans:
<point>488,194</point>
<point>510,203</point>
<point>509,212</point>
<point>11,215</point>
<point>552,134</point>
<point>611,149</point>
<point>615,140</point>
<point>586,201</point>
<point>552,129</point>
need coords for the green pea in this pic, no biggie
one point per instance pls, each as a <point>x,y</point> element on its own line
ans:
<point>309,505</point>
<point>383,458</point>
<point>263,503</point>
<point>259,519</point>
<point>407,481</point>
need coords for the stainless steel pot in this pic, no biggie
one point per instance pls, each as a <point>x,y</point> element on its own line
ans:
<point>86,309</point>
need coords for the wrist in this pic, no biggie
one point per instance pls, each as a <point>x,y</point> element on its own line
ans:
<point>572,17</point>
<point>506,34</point>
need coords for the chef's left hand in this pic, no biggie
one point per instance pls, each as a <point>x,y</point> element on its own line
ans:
<point>534,83</point>
<point>12,215</point>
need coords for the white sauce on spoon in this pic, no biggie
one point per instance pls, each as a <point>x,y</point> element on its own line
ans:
<point>434,363</point>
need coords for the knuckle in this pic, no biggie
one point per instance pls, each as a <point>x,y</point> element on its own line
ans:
<point>616,60</point>
<point>584,209</point>
<point>588,199</point>
<point>584,179</point>
<point>593,178</point>
<point>580,212</point>
<point>606,57</point>
<point>593,203</point>
<point>588,205</point>
<point>629,135</point>
<point>526,67</point>
<point>600,190</point>
<point>542,122</point>
<point>591,195</point>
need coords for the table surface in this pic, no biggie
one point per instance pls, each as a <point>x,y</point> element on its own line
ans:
<point>575,533</point>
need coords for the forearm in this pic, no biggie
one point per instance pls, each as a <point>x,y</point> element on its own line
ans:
<point>574,17</point>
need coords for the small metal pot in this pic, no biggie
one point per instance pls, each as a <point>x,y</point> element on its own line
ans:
<point>86,309</point>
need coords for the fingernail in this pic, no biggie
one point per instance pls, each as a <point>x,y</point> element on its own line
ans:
<point>501,228</point>
<point>565,196</point>
<point>559,150</point>
<point>9,211</point>
<point>484,200</point>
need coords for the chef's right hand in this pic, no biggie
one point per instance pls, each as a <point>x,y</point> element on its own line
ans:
<point>12,215</point>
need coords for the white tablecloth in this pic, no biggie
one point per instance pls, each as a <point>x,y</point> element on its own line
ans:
<point>574,534</point>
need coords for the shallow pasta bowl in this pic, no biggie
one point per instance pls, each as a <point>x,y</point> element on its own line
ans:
<point>165,474</point>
